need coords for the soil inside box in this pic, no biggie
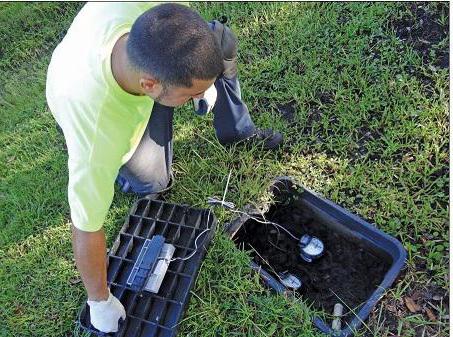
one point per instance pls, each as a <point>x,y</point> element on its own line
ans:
<point>348,269</point>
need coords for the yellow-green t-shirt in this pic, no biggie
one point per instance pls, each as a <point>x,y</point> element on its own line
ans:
<point>102,123</point>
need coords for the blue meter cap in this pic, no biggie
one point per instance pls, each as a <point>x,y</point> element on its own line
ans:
<point>311,248</point>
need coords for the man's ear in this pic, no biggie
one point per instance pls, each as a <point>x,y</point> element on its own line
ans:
<point>150,86</point>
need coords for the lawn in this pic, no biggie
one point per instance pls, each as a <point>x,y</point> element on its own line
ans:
<point>361,94</point>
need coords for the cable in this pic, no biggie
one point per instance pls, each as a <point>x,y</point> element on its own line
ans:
<point>211,201</point>
<point>196,246</point>
<point>266,222</point>
<point>216,202</point>
<point>231,206</point>
<point>226,187</point>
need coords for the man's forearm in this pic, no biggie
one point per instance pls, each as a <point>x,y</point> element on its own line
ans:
<point>90,257</point>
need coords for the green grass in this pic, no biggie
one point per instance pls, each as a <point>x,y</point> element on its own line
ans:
<point>367,134</point>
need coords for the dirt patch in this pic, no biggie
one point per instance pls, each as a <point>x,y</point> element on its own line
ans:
<point>347,269</point>
<point>326,97</point>
<point>365,136</point>
<point>344,15</point>
<point>299,68</point>
<point>287,110</point>
<point>315,113</point>
<point>423,27</point>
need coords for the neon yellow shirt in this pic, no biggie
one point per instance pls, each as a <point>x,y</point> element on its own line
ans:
<point>102,123</point>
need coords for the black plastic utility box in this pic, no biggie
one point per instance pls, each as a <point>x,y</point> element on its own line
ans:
<point>150,314</point>
<point>337,220</point>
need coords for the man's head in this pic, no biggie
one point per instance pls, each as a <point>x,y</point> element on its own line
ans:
<point>175,52</point>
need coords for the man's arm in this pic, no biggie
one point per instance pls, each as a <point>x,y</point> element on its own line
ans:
<point>90,257</point>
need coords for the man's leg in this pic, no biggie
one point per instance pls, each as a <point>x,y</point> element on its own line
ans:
<point>149,169</point>
<point>232,119</point>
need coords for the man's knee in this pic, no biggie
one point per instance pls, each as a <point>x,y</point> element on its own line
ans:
<point>226,38</point>
<point>142,184</point>
<point>229,45</point>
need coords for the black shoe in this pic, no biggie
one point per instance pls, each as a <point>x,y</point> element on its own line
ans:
<point>267,138</point>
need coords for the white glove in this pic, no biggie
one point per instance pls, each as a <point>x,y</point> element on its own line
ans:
<point>104,315</point>
<point>204,105</point>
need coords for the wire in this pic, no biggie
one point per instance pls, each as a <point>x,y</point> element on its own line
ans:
<point>196,239</point>
<point>211,201</point>
<point>277,247</point>
<point>216,202</point>
<point>231,206</point>
<point>226,187</point>
<point>266,222</point>
<point>265,261</point>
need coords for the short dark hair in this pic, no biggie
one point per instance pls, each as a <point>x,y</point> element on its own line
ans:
<point>174,44</point>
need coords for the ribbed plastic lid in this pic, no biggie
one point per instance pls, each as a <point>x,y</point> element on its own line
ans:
<point>158,314</point>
